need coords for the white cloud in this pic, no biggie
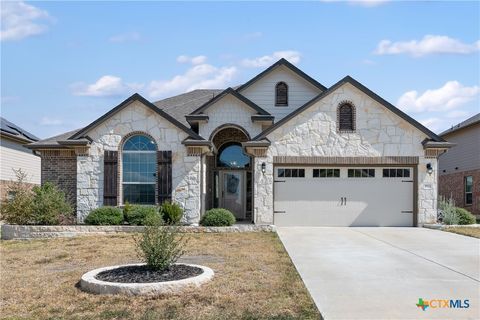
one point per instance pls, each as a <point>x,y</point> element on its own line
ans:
<point>441,123</point>
<point>204,76</point>
<point>193,60</point>
<point>452,95</point>
<point>430,44</point>
<point>126,37</point>
<point>264,61</point>
<point>21,20</point>
<point>47,121</point>
<point>106,86</point>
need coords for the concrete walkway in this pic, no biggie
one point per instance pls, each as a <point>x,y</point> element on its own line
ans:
<point>380,273</point>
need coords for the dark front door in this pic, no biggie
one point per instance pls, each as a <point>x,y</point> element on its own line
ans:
<point>232,196</point>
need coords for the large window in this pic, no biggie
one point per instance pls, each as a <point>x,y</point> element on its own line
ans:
<point>468,190</point>
<point>232,156</point>
<point>281,94</point>
<point>139,164</point>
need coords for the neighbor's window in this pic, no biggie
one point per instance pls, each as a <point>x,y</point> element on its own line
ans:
<point>326,173</point>
<point>291,173</point>
<point>361,173</point>
<point>281,94</point>
<point>468,190</point>
<point>139,166</point>
<point>346,118</point>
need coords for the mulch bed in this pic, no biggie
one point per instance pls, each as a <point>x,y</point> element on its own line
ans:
<point>144,274</point>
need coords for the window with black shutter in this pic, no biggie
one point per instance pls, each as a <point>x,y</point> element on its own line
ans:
<point>281,94</point>
<point>164,159</point>
<point>346,118</point>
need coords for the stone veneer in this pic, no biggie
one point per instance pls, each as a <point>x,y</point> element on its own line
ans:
<point>314,133</point>
<point>108,135</point>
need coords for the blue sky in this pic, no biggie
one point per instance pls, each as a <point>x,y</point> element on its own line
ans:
<point>65,64</point>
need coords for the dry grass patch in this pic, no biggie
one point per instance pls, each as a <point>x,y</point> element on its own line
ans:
<point>254,279</point>
<point>466,231</point>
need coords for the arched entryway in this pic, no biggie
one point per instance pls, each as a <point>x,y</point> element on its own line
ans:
<point>229,173</point>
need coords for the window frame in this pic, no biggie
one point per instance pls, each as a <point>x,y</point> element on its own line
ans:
<point>468,193</point>
<point>299,173</point>
<point>360,173</point>
<point>277,103</point>
<point>326,173</point>
<point>353,115</point>
<point>396,173</point>
<point>123,168</point>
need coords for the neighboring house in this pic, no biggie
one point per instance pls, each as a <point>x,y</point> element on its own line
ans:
<point>280,149</point>
<point>460,167</point>
<point>14,156</point>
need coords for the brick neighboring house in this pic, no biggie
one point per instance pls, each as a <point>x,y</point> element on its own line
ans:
<point>14,155</point>
<point>460,166</point>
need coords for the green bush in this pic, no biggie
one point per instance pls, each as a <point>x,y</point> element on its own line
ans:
<point>448,212</point>
<point>171,213</point>
<point>464,216</point>
<point>137,215</point>
<point>160,246</point>
<point>218,218</point>
<point>105,216</point>
<point>50,205</point>
<point>17,208</point>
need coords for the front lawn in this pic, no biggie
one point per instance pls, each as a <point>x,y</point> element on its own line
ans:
<point>471,232</point>
<point>254,279</point>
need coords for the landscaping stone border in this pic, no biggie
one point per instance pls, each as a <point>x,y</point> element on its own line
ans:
<point>90,284</point>
<point>23,232</point>
<point>448,226</point>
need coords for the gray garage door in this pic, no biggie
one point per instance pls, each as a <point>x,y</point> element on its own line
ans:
<point>333,196</point>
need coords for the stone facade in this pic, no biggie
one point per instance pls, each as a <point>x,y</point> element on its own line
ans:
<point>314,133</point>
<point>60,168</point>
<point>110,134</point>
<point>453,185</point>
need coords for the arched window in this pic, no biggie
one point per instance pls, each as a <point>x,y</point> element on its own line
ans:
<point>346,118</point>
<point>281,94</point>
<point>139,166</point>
<point>231,155</point>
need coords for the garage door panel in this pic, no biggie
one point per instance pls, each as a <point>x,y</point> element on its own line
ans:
<point>318,202</point>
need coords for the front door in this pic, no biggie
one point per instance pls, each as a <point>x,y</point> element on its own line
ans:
<point>233,192</point>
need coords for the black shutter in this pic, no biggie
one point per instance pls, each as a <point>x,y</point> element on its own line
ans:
<point>164,159</point>
<point>110,178</point>
<point>346,118</point>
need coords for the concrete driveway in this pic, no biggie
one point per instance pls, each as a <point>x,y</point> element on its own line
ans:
<point>380,273</point>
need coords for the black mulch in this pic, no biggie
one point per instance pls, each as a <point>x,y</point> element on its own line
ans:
<point>143,274</point>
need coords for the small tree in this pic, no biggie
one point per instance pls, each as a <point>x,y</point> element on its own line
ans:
<point>160,246</point>
<point>18,207</point>
<point>171,212</point>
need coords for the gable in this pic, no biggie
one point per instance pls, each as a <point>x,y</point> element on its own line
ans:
<point>361,91</point>
<point>135,100</point>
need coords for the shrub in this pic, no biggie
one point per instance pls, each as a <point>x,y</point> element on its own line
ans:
<point>105,216</point>
<point>160,246</point>
<point>464,216</point>
<point>137,214</point>
<point>448,213</point>
<point>171,213</point>
<point>50,205</point>
<point>217,218</point>
<point>18,207</point>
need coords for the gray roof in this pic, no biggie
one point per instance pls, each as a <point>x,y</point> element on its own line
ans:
<point>181,105</point>
<point>470,121</point>
<point>53,141</point>
<point>10,129</point>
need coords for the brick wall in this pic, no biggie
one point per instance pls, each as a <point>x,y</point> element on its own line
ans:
<point>60,168</point>
<point>452,185</point>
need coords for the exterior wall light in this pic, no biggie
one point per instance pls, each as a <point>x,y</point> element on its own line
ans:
<point>264,167</point>
<point>429,168</point>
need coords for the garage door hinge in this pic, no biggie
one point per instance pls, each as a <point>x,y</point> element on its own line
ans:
<point>278,180</point>
<point>275,211</point>
<point>407,180</point>
<point>407,211</point>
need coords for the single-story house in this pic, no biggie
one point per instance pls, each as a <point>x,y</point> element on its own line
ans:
<point>15,156</point>
<point>459,169</point>
<point>279,149</point>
